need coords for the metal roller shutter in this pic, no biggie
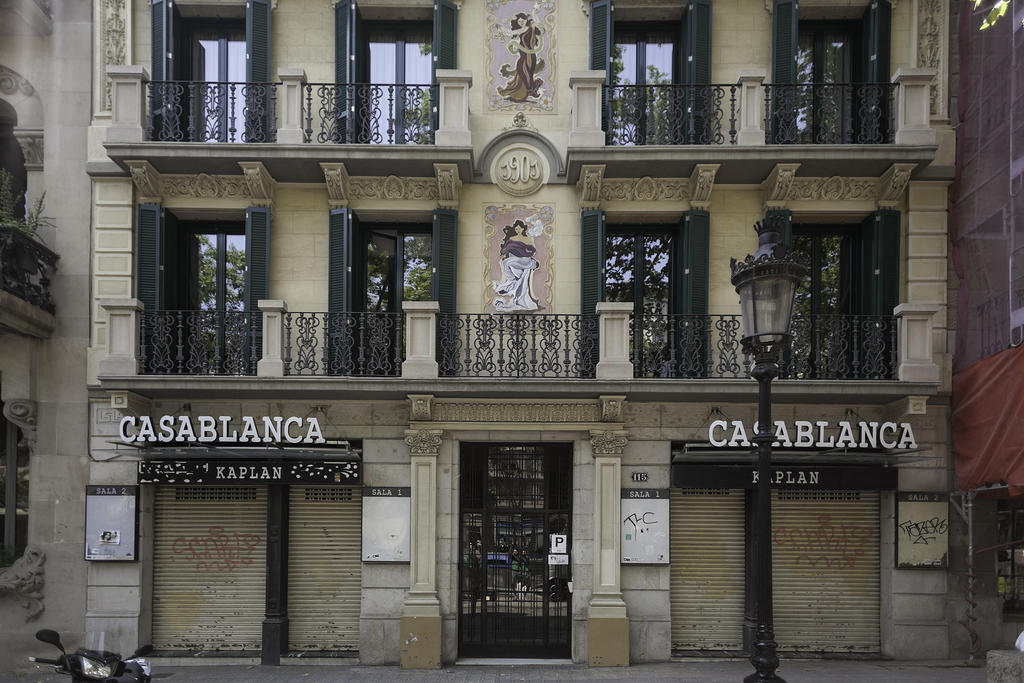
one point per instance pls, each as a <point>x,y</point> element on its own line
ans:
<point>209,567</point>
<point>707,551</point>
<point>324,568</point>
<point>825,562</point>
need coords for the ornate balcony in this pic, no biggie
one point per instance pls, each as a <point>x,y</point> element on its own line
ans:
<point>364,113</point>
<point>26,305</point>
<point>193,111</point>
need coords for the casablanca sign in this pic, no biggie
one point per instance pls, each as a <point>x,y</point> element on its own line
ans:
<point>820,434</point>
<point>206,429</point>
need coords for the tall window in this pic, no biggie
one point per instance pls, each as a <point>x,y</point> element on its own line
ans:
<point>218,273</point>
<point>14,470</point>
<point>826,289</point>
<point>218,60</point>
<point>637,268</point>
<point>397,266</point>
<point>644,56</point>
<point>825,59</point>
<point>400,57</point>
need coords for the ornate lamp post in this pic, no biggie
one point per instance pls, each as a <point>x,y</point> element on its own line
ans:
<point>766,282</point>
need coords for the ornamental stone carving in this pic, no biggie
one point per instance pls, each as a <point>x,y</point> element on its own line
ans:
<point>420,407</point>
<point>114,41</point>
<point>423,441</point>
<point>892,184</point>
<point>590,185</point>
<point>932,28</point>
<point>392,188</point>
<point>519,170</point>
<point>147,181</point>
<point>12,83</point>
<point>611,408</point>
<point>31,143</point>
<point>608,442</point>
<point>836,188</point>
<point>448,185</point>
<point>204,186</point>
<point>336,177</point>
<point>24,580</point>
<point>701,181</point>
<point>645,189</point>
<point>507,411</point>
<point>259,183</point>
<point>22,412</point>
<point>776,187</point>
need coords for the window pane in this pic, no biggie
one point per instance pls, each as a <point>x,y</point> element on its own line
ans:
<point>836,66</point>
<point>656,273</point>
<point>207,285</point>
<point>624,64</point>
<point>382,62</point>
<point>618,267</point>
<point>380,264</point>
<point>659,55</point>
<point>416,268</point>
<point>831,275</point>
<point>234,273</point>
<point>417,62</point>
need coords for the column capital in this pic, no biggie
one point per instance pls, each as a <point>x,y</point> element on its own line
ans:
<point>608,442</point>
<point>423,441</point>
<point>22,413</point>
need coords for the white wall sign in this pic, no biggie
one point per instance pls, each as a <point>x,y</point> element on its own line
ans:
<point>386,512</point>
<point>219,430</point>
<point>559,544</point>
<point>110,522</point>
<point>645,526</point>
<point>820,434</point>
<point>922,529</point>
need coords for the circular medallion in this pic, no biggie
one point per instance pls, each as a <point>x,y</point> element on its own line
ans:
<point>519,170</point>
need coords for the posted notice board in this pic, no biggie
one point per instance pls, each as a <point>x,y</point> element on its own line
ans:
<point>386,511</point>
<point>110,522</point>
<point>922,529</point>
<point>645,518</point>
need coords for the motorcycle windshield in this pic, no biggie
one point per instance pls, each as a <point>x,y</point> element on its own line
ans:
<point>100,644</point>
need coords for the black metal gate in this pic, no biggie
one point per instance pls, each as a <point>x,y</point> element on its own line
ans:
<point>515,503</point>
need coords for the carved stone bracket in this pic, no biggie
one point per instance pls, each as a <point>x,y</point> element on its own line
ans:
<point>892,184</point>
<point>448,185</point>
<point>130,403</point>
<point>590,185</point>
<point>421,407</point>
<point>608,442</point>
<point>336,177</point>
<point>701,181</point>
<point>611,408</point>
<point>31,143</point>
<point>147,181</point>
<point>24,580</point>
<point>22,413</point>
<point>260,183</point>
<point>423,441</point>
<point>776,186</point>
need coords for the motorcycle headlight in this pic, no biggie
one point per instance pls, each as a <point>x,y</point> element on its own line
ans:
<point>93,668</point>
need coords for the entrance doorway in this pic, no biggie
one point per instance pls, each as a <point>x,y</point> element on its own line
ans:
<point>515,572</point>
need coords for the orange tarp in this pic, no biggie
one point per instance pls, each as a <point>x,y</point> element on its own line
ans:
<point>988,421</point>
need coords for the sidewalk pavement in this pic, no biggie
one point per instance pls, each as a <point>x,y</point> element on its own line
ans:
<point>686,671</point>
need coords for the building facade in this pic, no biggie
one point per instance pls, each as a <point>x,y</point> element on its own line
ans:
<point>412,336</point>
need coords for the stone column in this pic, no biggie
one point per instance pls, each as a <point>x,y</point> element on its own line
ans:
<point>420,339</point>
<point>128,120</point>
<point>271,363</point>
<point>927,261</point>
<point>607,623</point>
<point>917,363</point>
<point>913,106</point>
<point>614,361</point>
<point>122,337</point>
<point>420,639</point>
<point>453,108</point>
<point>587,88</point>
<point>289,106</point>
<point>751,115</point>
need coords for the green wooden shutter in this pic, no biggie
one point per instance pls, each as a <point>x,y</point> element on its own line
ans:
<point>880,262</point>
<point>691,271</point>
<point>342,51</point>
<point>445,256</point>
<point>257,256</point>
<point>173,265</point>
<point>697,48</point>
<point>162,40</point>
<point>446,25</point>
<point>149,235</point>
<point>591,261</point>
<point>787,223</point>
<point>602,33</point>
<point>785,35</point>
<point>877,24</point>
<point>339,261</point>
<point>257,41</point>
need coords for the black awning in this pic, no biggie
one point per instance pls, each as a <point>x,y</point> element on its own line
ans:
<point>785,476</point>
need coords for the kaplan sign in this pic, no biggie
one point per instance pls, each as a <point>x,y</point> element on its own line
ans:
<point>806,434</point>
<point>206,429</point>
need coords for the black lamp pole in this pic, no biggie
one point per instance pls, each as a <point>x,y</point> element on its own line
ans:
<point>766,283</point>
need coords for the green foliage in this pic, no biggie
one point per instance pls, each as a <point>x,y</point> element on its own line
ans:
<point>994,14</point>
<point>30,223</point>
<point>234,275</point>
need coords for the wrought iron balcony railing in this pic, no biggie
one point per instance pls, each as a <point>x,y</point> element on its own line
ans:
<point>199,342</point>
<point>26,267</point>
<point>512,345</point>
<point>837,347</point>
<point>365,113</point>
<point>195,111</point>
<point>830,113</point>
<point>671,114</point>
<point>344,344</point>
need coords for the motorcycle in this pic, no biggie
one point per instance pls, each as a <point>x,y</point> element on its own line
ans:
<point>92,662</point>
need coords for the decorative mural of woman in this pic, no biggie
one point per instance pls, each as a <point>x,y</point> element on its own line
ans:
<point>517,266</point>
<point>524,40</point>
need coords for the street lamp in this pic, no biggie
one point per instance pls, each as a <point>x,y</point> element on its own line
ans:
<point>766,282</point>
